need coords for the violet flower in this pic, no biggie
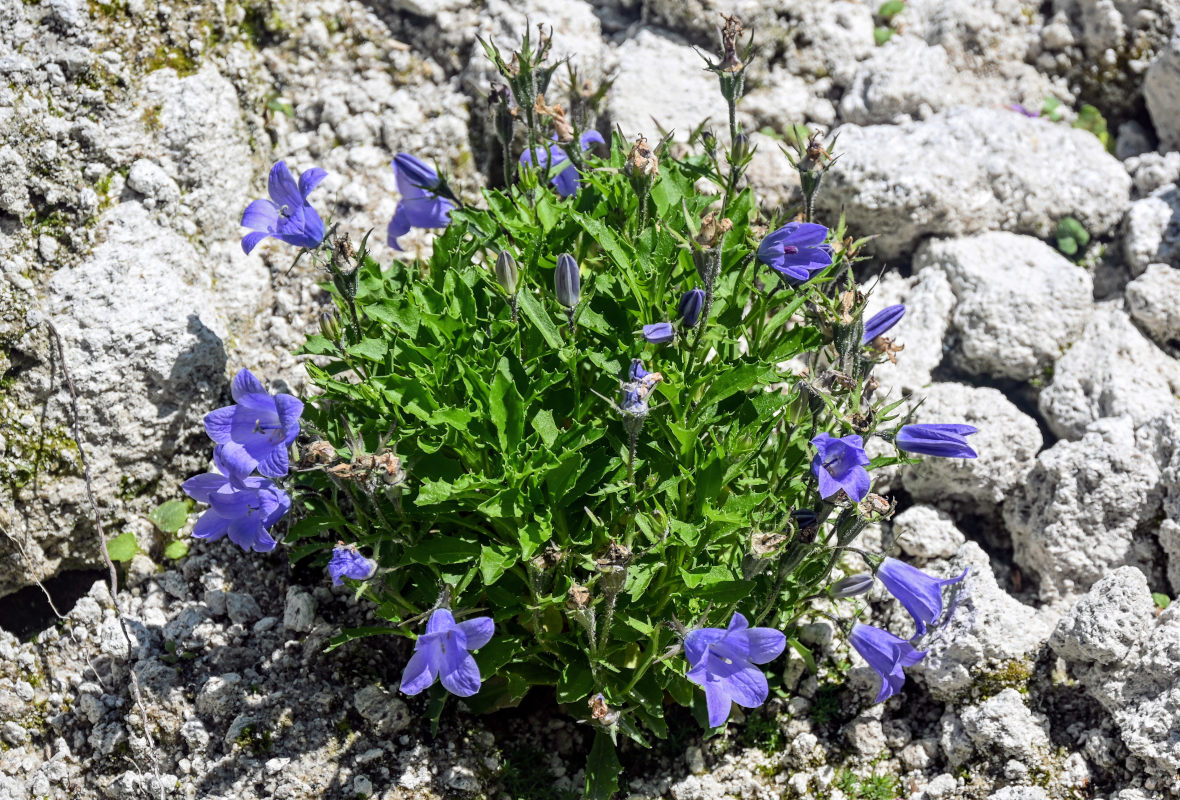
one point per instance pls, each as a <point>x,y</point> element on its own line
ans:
<point>242,508</point>
<point>255,432</point>
<point>918,592</point>
<point>441,654</point>
<point>566,182</point>
<point>691,304</point>
<point>567,281</point>
<point>886,654</point>
<point>419,206</point>
<point>347,562</point>
<point>839,463</point>
<point>939,439</point>
<point>287,216</point>
<point>881,322</point>
<point>636,370</point>
<point>796,251</point>
<point>722,663</point>
<point>659,332</point>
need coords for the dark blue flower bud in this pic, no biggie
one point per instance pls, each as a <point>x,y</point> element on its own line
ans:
<point>940,439</point>
<point>637,372</point>
<point>851,586</point>
<point>691,303</point>
<point>659,333</point>
<point>567,282</point>
<point>880,323</point>
<point>805,518</point>
<point>506,273</point>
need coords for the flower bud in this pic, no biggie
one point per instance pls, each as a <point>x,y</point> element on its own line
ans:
<point>806,522</point>
<point>691,303</point>
<point>659,333</point>
<point>881,322</point>
<point>506,272</point>
<point>851,586</point>
<point>330,326</point>
<point>637,372</point>
<point>741,146</point>
<point>567,282</point>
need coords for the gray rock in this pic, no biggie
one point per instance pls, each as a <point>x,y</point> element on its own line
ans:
<point>1139,690</point>
<point>1078,514</point>
<point>957,174</point>
<point>387,713</point>
<point>904,80</point>
<point>987,631</point>
<point>299,612</point>
<point>1152,171</point>
<point>14,183</point>
<point>1001,277</point>
<point>153,183</point>
<point>1153,301</point>
<point>219,695</point>
<point>1005,723</point>
<point>242,608</point>
<point>1112,370</point>
<point>925,533</point>
<point>1151,233</point>
<point>1169,539</point>
<point>1161,89</point>
<point>1105,624</point>
<point>680,97</point>
<point>1019,793</point>
<point>1007,444</point>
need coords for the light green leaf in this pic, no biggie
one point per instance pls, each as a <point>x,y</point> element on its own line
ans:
<point>540,318</point>
<point>171,516</point>
<point>176,550</point>
<point>369,349</point>
<point>506,409</point>
<point>544,425</point>
<point>123,547</point>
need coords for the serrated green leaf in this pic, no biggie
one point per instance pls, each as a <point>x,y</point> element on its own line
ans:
<point>123,547</point>
<point>545,427</point>
<point>369,349</point>
<point>506,407</point>
<point>494,562</point>
<point>602,768</point>
<point>540,318</point>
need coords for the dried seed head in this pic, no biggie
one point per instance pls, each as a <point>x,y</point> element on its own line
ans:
<point>642,160</point>
<point>730,33</point>
<point>601,712</point>
<point>766,544</point>
<point>549,558</point>
<point>577,598</point>
<point>318,452</point>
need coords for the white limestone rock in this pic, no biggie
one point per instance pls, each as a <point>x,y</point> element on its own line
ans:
<point>924,533</point>
<point>1153,301</point>
<point>1151,233</point>
<point>986,630</point>
<point>1007,444</point>
<point>1020,303</point>
<point>1003,722</point>
<point>959,173</point>
<point>1161,89</point>
<point>1111,370</point>
<point>1082,511</point>
<point>1103,626</point>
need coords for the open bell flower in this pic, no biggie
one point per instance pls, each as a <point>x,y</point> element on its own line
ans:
<point>840,463</point>
<point>347,562</point>
<point>722,662</point>
<point>256,432</point>
<point>566,181</point>
<point>796,251</point>
<point>419,206</point>
<point>920,593</point>
<point>242,508</point>
<point>886,654</point>
<point>287,216</point>
<point>442,654</point>
<point>939,439</point>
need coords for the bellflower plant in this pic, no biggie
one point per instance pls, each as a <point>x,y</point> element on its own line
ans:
<point>565,180</point>
<point>257,430</point>
<point>242,508</point>
<point>796,251</point>
<point>608,513</point>
<point>722,662</point>
<point>347,562</point>
<point>939,439</point>
<point>420,206</point>
<point>839,463</point>
<point>287,216</point>
<point>918,592</point>
<point>886,654</point>
<point>441,654</point>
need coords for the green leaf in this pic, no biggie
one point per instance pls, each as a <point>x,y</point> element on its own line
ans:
<point>602,768</point>
<point>494,562</point>
<point>171,516</point>
<point>891,9</point>
<point>536,314</point>
<point>545,427</point>
<point>176,550</point>
<point>369,349</point>
<point>576,682</point>
<point>736,380</point>
<point>881,34</point>
<point>506,409</point>
<point>1161,600</point>
<point>123,547</point>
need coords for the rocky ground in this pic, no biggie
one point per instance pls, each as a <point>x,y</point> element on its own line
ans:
<point>134,131</point>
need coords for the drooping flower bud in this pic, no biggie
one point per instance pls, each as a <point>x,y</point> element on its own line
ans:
<point>567,282</point>
<point>851,586</point>
<point>506,272</point>
<point>691,303</point>
<point>881,322</point>
<point>806,522</point>
<point>659,332</point>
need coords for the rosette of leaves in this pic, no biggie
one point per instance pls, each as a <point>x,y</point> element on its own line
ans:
<point>513,495</point>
